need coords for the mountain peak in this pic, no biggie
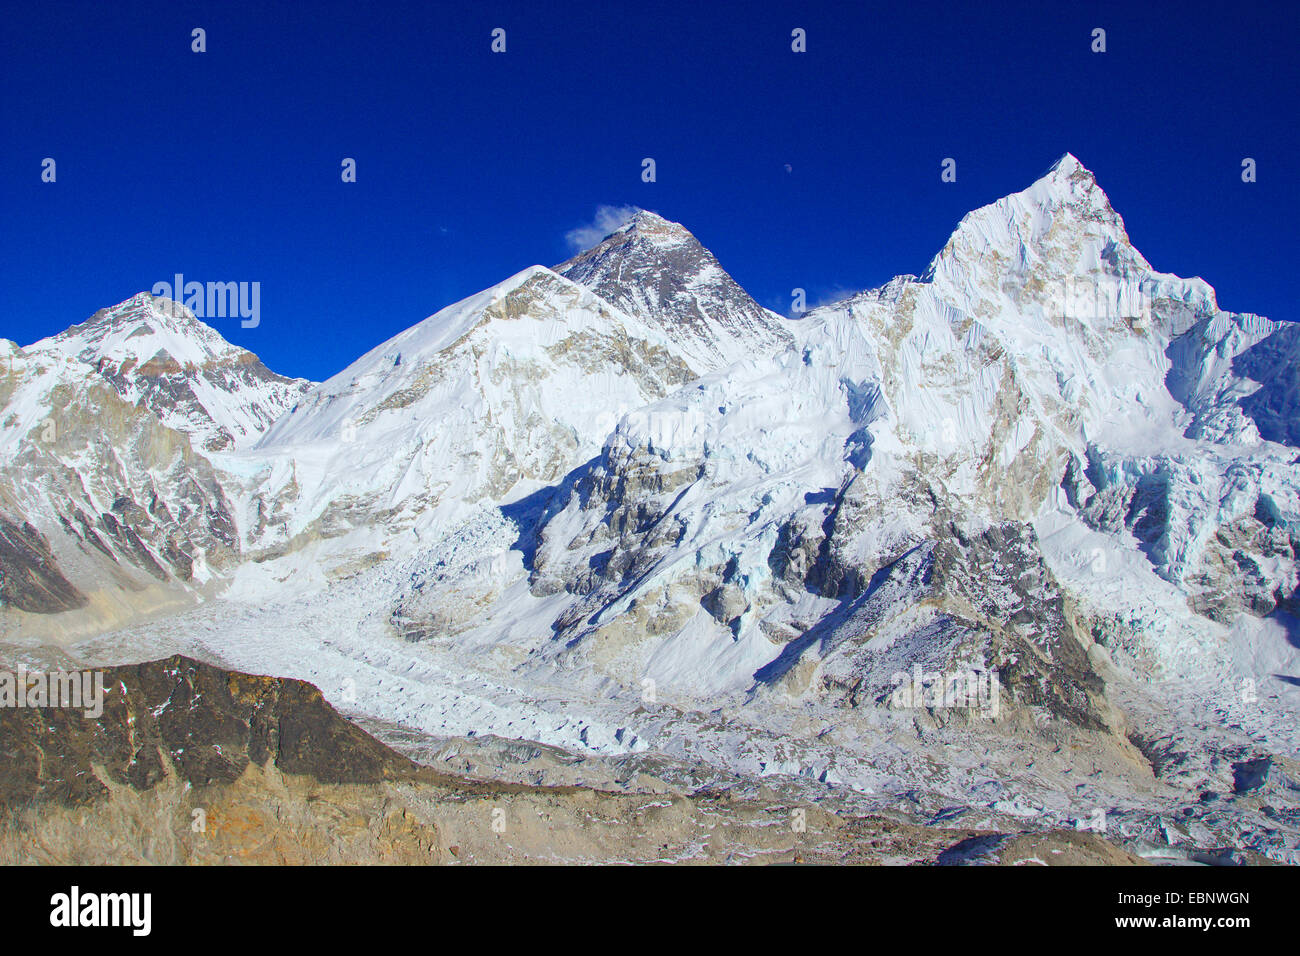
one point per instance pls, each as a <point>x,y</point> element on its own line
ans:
<point>655,269</point>
<point>1067,165</point>
<point>649,226</point>
<point>156,353</point>
<point>1064,218</point>
<point>1068,180</point>
<point>140,328</point>
<point>645,219</point>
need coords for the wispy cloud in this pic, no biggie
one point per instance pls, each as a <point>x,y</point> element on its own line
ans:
<point>813,299</point>
<point>608,218</point>
<point>836,294</point>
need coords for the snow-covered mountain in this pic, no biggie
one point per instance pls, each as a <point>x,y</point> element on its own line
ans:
<point>511,388</point>
<point>1041,371</point>
<point>156,354</point>
<point>110,504</point>
<point>618,507</point>
<point>656,270</point>
<point>993,387</point>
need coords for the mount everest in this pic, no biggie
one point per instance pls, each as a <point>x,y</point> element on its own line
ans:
<point>618,508</point>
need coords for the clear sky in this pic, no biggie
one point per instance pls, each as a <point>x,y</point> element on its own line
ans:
<point>225,165</point>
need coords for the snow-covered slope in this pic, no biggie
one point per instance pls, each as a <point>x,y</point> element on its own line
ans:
<point>508,389</point>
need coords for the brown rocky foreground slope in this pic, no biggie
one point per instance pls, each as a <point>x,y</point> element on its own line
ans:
<point>190,763</point>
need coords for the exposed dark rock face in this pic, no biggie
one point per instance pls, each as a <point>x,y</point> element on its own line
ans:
<point>1001,574</point>
<point>30,578</point>
<point>180,716</point>
<point>121,488</point>
<point>999,610</point>
<point>190,763</point>
<point>655,269</point>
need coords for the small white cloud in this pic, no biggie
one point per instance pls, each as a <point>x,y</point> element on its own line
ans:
<point>815,300</point>
<point>837,294</point>
<point>608,219</point>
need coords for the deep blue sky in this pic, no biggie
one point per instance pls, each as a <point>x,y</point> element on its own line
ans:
<point>471,166</point>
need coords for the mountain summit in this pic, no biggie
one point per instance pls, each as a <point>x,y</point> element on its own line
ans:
<point>156,354</point>
<point>658,271</point>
